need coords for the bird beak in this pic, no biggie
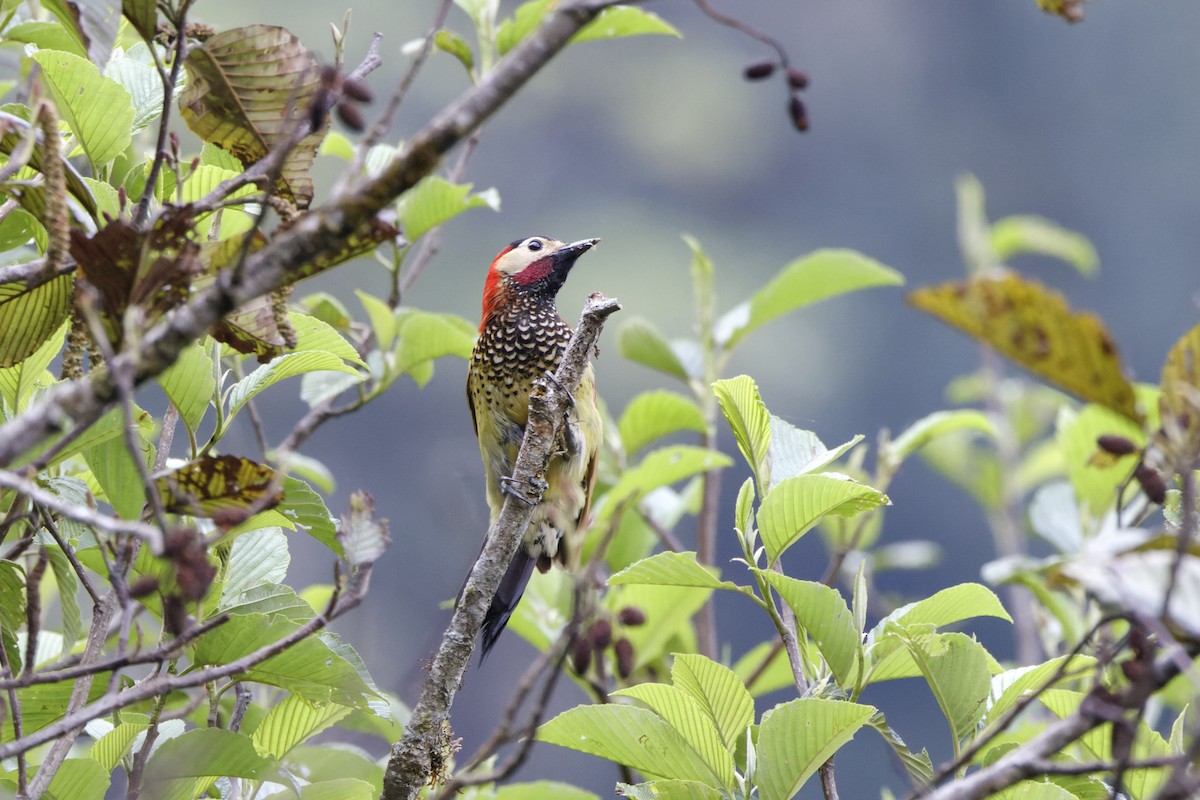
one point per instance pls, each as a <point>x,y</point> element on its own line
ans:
<point>574,250</point>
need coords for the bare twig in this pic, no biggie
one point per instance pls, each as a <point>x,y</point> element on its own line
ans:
<point>169,81</point>
<point>69,552</point>
<point>14,708</point>
<point>410,764</point>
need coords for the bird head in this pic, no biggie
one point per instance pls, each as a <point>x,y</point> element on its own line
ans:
<point>536,265</point>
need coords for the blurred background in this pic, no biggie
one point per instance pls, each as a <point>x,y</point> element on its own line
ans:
<point>638,141</point>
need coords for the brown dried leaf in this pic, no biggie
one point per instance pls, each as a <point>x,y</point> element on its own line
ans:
<point>248,88</point>
<point>1036,328</point>
<point>152,270</point>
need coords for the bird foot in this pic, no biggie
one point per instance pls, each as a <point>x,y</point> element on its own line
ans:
<point>512,488</point>
<point>569,399</point>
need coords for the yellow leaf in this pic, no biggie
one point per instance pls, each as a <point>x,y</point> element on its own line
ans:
<point>1034,326</point>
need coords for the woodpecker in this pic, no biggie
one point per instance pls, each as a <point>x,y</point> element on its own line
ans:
<point>521,338</point>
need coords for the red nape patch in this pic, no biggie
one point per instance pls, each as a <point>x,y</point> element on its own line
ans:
<point>534,272</point>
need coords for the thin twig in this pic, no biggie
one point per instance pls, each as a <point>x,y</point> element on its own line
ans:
<point>381,125</point>
<point>69,552</point>
<point>169,82</point>
<point>14,708</point>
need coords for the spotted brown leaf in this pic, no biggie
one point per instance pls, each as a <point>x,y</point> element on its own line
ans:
<point>1034,326</point>
<point>226,488</point>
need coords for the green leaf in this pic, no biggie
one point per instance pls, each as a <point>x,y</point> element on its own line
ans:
<point>189,384</point>
<point>823,614</point>
<point>635,737</point>
<point>29,315</point>
<point>143,15</point>
<point>117,473</point>
<point>668,610</point>
<point>140,79</point>
<point>12,596</point>
<point>744,507</point>
<point>303,506</point>
<point>918,765</point>
<point>751,423</point>
<point>258,558</point>
<point>109,749</point>
<point>310,667</point>
<point>79,779</point>
<point>950,605</point>
<point>719,691</point>
<point>652,415</point>
<point>383,319</point>
<point>450,42</point>
<point>672,569</point>
<point>524,19</point>
<point>1095,479</point>
<point>617,21</point>
<point>885,652</point>
<point>1011,686</point>
<point>931,426</point>
<point>1032,234</point>
<point>797,737</point>
<point>18,383</point>
<point>793,507</point>
<point>268,600</point>
<point>639,341</point>
<point>435,201</point>
<point>98,109</point>
<point>286,366</point>
<point>292,722</point>
<point>691,720</point>
<point>318,335</point>
<point>807,280</point>
<point>203,753</point>
<point>68,603</point>
<point>794,451</point>
<point>669,790</point>
<point>423,336</point>
<point>93,23</point>
<point>956,668</point>
<point>660,467</point>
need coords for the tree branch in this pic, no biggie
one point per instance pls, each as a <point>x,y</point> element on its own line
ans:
<point>411,762</point>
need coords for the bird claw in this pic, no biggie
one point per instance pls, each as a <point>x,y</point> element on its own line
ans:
<point>511,487</point>
<point>569,399</point>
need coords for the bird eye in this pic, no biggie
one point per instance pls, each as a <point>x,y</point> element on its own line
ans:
<point>534,245</point>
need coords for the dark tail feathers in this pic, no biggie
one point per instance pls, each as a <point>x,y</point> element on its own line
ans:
<point>508,594</point>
